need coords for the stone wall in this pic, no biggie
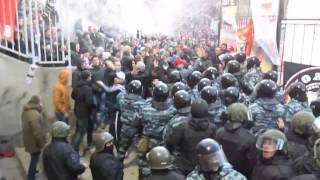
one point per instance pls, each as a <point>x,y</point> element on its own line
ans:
<point>15,92</point>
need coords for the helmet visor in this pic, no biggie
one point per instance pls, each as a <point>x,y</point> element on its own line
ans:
<point>212,162</point>
<point>265,143</point>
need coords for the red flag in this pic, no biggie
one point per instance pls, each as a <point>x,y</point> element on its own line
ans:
<point>7,19</point>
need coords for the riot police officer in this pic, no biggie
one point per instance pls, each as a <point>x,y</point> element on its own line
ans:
<point>160,163</point>
<point>203,83</point>
<point>254,75</point>
<point>212,164</point>
<point>228,80</point>
<point>299,100</point>
<point>155,117</point>
<point>241,58</point>
<point>298,134</point>
<point>182,103</point>
<point>237,142</point>
<point>177,87</point>
<point>233,67</point>
<point>211,73</point>
<point>103,163</point>
<point>273,162</point>
<point>267,112</point>
<point>60,160</point>
<point>216,109</point>
<point>273,75</point>
<point>312,168</point>
<point>192,81</point>
<point>130,106</point>
<point>189,134</point>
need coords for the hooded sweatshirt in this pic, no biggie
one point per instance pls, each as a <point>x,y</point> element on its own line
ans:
<point>60,94</point>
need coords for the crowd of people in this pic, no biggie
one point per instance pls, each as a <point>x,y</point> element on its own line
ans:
<point>192,111</point>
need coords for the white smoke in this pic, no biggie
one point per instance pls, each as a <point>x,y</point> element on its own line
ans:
<point>149,16</point>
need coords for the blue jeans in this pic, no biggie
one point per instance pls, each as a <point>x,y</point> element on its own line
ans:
<point>100,102</point>
<point>33,165</point>
<point>60,117</point>
<point>83,126</point>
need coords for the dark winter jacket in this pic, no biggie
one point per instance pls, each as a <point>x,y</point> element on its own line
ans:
<point>61,161</point>
<point>165,174</point>
<point>239,148</point>
<point>276,168</point>
<point>98,73</point>
<point>83,97</point>
<point>104,166</point>
<point>187,136</point>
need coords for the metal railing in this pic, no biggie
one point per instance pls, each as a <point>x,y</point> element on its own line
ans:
<point>41,31</point>
<point>299,44</point>
<point>301,41</point>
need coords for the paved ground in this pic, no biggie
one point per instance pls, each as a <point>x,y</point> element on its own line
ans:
<point>15,168</point>
<point>131,170</point>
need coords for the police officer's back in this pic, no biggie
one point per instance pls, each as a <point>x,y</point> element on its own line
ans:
<point>266,110</point>
<point>298,134</point>
<point>182,103</point>
<point>237,142</point>
<point>273,162</point>
<point>299,100</point>
<point>189,134</point>
<point>103,164</point>
<point>61,161</point>
<point>309,169</point>
<point>159,160</point>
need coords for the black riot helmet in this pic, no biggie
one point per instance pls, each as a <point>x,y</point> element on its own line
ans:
<point>252,62</point>
<point>174,76</point>
<point>181,99</point>
<point>228,80</point>
<point>240,57</point>
<point>203,83</point>
<point>246,87</point>
<point>315,107</point>
<point>227,58</point>
<point>230,95</point>
<point>210,156</point>
<point>209,94</point>
<point>194,78</point>
<point>273,75</point>
<point>298,91</point>
<point>211,73</point>
<point>178,86</point>
<point>160,92</point>
<point>233,67</point>
<point>135,87</point>
<point>266,89</point>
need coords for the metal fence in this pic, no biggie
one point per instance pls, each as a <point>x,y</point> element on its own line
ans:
<point>299,44</point>
<point>301,41</point>
<point>41,31</point>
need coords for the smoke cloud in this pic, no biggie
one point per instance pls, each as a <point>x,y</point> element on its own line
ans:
<point>149,16</point>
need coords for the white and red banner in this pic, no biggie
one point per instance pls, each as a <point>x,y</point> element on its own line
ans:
<point>7,19</point>
<point>229,26</point>
<point>265,21</point>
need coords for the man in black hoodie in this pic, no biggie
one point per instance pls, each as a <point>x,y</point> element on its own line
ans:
<point>189,134</point>
<point>83,98</point>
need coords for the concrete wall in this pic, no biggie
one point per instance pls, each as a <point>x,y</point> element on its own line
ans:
<point>15,92</point>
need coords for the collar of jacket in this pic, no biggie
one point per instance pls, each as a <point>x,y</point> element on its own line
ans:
<point>161,105</point>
